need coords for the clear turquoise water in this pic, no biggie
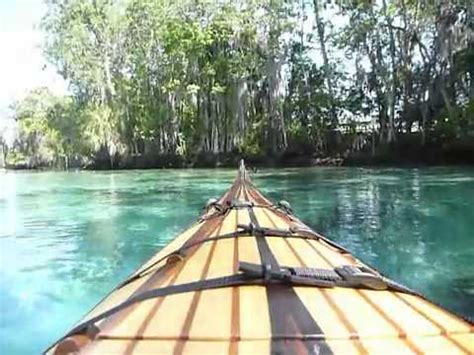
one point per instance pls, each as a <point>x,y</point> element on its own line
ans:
<point>68,238</point>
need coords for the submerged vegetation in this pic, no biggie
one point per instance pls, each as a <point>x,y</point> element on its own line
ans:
<point>155,82</point>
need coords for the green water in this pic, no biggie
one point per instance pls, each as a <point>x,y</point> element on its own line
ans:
<point>68,238</point>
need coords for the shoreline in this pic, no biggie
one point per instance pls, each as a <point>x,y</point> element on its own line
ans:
<point>400,154</point>
<point>407,151</point>
<point>174,162</point>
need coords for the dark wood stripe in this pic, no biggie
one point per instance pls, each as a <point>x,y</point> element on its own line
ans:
<point>354,334</point>
<point>443,331</point>
<point>232,189</point>
<point>235,319</point>
<point>160,275</point>
<point>197,295</point>
<point>340,314</point>
<point>257,195</point>
<point>158,278</point>
<point>288,337</point>
<point>131,346</point>
<point>329,262</point>
<point>401,333</point>
<point>194,303</point>
<point>237,195</point>
<point>231,193</point>
<point>261,199</point>
<point>288,314</point>
<point>265,212</point>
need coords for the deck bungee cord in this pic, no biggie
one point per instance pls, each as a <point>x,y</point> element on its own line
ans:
<point>244,244</point>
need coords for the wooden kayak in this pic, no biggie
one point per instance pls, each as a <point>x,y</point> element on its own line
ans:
<point>250,278</point>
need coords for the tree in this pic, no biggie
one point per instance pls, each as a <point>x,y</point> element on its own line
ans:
<point>193,78</point>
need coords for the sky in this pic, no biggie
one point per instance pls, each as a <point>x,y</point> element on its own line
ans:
<point>22,64</point>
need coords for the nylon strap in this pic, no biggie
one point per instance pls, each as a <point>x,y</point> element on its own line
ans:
<point>285,306</point>
<point>226,281</point>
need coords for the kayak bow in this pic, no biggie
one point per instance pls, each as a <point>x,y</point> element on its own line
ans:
<point>250,277</point>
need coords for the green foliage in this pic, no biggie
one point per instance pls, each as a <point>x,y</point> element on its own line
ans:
<point>457,124</point>
<point>16,157</point>
<point>186,77</point>
<point>251,144</point>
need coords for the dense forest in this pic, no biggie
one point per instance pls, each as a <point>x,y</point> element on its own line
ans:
<point>163,82</point>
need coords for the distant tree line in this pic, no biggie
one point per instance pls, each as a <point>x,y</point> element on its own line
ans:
<point>249,77</point>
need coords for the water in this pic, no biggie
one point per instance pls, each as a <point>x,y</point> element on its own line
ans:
<point>68,238</point>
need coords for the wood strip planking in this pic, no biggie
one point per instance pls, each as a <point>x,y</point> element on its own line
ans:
<point>357,312</point>
<point>288,314</point>
<point>309,257</point>
<point>440,316</point>
<point>254,316</point>
<point>197,295</point>
<point>321,255</point>
<point>255,347</point>
<point>442,329</point>
<point>172,307</point>
<point>118,346</point>
<point>401,332</point>
<point>184,334</point>
<point>158,278</point>
<point>334,256</point>
<point>403,315</point>
<point>218,322</point>
<point>438,345</point>
<point>205,347</point>
<point>118,296</point>
<point>466,340</point>
<point>152,313</point>
<point>235,316</point>
<point>276,221</point>
<point>283,254</point>
<point>347,312</point>
<point>334,307</point>
<point>387,346</point>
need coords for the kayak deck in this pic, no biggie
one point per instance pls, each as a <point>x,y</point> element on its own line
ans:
<point>263,318</point>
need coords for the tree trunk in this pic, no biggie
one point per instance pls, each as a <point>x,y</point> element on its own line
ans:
<point>278,140</point>
<point>2,156</point>
<point>173,123</point>
<point>327,68</point>
<point>393,81</point>
<point>424,113</point>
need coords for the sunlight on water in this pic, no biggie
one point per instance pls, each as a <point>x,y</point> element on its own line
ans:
<point>68,238</point>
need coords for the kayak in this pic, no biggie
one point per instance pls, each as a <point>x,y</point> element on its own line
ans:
<point>249,277</point>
